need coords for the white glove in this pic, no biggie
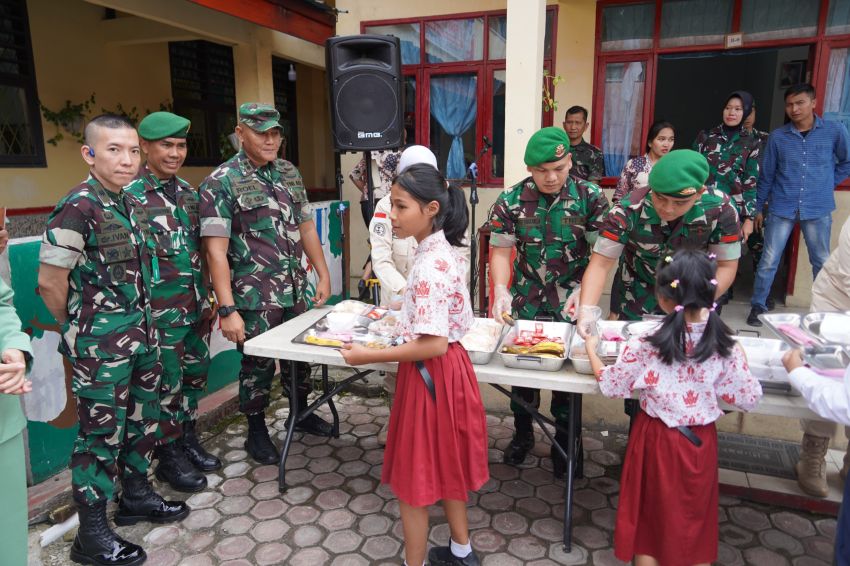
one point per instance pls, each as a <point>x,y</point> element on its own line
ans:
<point>571,306</point>
<point>501,303</point>
<point>586,321</point>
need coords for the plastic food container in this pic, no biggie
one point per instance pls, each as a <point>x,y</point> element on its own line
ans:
<point>642,327</point>
<point>482,340</point>
<point>764,356</point>
<point>580,363</point>
<point>560,330</point>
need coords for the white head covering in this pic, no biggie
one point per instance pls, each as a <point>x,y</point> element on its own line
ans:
<point>416,154</point>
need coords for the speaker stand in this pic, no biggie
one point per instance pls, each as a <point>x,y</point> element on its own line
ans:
<point>473,240</point>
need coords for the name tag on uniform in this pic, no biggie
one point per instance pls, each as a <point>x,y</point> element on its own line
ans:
<point>571,220</point>
<point>242,187</point>
<point>158,210</point>
<point>529,221</point>
<point>112,237</point>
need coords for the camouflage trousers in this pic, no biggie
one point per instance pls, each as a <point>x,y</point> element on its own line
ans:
<point>185,355</point>
<point>118,413</point>
<point>256,374</point>
<point>559,407</point>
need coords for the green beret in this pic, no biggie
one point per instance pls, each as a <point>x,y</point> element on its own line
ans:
<point>547,145</point>
<point>680,173</point>
<point>259,117</point>
<point>161,125</point>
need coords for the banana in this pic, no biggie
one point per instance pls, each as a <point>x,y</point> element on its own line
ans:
<point>316,341</point>
<point>547,348</point>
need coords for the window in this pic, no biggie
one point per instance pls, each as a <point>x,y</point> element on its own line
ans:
<point>284,101</point>
<point>203,87</point>
<point>21,142</point>
<point>695,22</point>
<point>838,18</point>
<point>454,86</point>
<point>779,19</point>
<point>628,26</point>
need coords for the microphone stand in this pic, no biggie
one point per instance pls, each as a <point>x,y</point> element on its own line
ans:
<point>473,202</point>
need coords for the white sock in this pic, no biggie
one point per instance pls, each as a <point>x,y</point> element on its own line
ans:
<point>460,550</point>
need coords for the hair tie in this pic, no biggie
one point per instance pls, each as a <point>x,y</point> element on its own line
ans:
<point>713,307</point>
<point>674,283</point>
<point>668,259</point>
<point>679,308</point>
<point>713,282</point>
<point>712,256</point>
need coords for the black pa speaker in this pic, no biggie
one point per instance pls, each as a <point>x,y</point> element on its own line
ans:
<point>365,85</point>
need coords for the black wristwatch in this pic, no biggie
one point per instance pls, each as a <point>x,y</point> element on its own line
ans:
<point>225,311</point>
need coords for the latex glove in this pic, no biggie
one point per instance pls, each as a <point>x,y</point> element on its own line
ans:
<point>586,320</point>
<point>572,304</point>
<point>502,302</point>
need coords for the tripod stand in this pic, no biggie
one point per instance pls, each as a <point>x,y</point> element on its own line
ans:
<point>473,202</point>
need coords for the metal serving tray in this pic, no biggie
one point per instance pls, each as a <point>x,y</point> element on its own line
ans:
<point>479,357</point>
<point>562,330</point>
<point>831,327</point>
<point>764,356</point>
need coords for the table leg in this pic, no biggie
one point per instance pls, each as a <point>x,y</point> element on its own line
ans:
<point>331,406</point>
<point>579,441</point>
<point>293,420</point>
<point>571,461</point>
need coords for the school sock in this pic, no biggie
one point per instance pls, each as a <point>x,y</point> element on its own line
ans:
<point>460,550</point>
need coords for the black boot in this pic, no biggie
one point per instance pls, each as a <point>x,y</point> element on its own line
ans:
<point>259,445</point>
<point>522,442</point>
<point>139,502</point>
<point>96,543</point>
<point>176,469</point>
<point>313,424</point>
<point>199,457</point>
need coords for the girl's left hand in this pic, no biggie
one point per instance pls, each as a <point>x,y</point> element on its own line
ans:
<point>356,355</point>
<point>792,359</point>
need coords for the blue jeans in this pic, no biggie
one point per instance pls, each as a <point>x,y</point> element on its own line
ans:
<point>776,233</point>
<point>842,530</point>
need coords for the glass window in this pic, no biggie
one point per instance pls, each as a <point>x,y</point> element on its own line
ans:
<point>838,19</point>
<point>623,116</point>
<point>837,96</point>
<point>497,156</point>
<point>284,101</point>
<point>628,26</point>
<point>20,123</point>
<point>499,34</point>
<point>762,20</point>
<point>408,34</point>
<point>454,108</point>
<point>695,22</point>
<point>454,40</point>
<point>410,109</point>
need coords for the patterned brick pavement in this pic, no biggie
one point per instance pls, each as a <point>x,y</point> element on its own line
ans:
<point>336,512</point>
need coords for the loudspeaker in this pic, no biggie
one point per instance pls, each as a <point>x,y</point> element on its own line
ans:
<point>365,85</point>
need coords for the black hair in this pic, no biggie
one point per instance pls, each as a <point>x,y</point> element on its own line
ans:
<point>689,281</point>
<point>575,110</point>
<point>655,129</point>
<point>109,121</point>
<point>800,88</point>
<point>426,184</point>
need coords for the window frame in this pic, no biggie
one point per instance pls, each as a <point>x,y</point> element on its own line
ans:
<point>28,84</point>
<point>484,68</point>
<point>280,65</point>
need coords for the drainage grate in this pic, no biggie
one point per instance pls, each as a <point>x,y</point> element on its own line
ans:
<point>758,455</point>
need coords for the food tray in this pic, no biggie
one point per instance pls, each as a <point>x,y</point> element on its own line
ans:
<point>355,331</point>
<point>764,356</point>
<point>581,364</point>
<point>609,350</point>
<point>775,321</point>
<point>483,357</point>
<point>561,330</point>
<point>642,327</point>
<point>831,327</point>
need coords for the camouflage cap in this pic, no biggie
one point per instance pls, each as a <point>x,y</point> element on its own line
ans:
<point>681,173</point>
<point>259,117</point>
<point>161,125</point>
<point>547,145</point>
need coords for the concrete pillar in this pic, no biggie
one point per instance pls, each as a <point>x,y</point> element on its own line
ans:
<point>252,63</point>
<point>524,81</point>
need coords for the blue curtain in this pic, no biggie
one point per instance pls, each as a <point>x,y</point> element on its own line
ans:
<point>454,104</point>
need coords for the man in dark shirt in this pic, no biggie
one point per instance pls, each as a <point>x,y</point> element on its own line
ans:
<point>588,164</point>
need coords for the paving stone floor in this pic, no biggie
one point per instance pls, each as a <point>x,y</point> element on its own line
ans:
<point>337,513</point>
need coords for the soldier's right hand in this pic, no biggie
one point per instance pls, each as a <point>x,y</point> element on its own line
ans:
<point>758,222</point>
<point>233,327</point>
<point>501,303</point>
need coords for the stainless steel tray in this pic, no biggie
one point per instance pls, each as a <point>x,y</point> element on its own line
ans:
<point>775,321</point>
<point>560,329</point>
<point>831,327</point>
<point>479,357</point>
<point>764,357</point>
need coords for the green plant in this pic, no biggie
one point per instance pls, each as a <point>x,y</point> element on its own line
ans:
<point>70,118</point>
<point>550,81</point>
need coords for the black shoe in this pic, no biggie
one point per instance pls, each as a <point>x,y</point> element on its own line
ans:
<point>176,469</point>
<point>517,450</point>
<point>96,543</point>
<point>753,318</point>
<point>313,424</point>
<point>258,444</point>
<point>442,556</point>
<point>770,303</point>
<point>139,502</point>
<point>199,457</point>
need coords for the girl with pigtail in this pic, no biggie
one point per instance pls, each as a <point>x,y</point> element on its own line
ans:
<point>667,513</point>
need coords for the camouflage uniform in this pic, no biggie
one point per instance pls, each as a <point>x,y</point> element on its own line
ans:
<point>733,165</point>
<point>588,162</point>
<point>109,336</point>
<point>179,295</point>
<point>756,240</point>
<point>553,241</point>
<point>259,210</point>
<point>634,233</point>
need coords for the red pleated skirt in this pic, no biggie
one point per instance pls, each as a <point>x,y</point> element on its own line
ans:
<point>437,450</point>
<point>668,495</point>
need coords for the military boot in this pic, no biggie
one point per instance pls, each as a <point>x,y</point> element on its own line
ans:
<point>258,444</point>
<point>522,442</point>
<point>176,469</point>
<point>96,543</point>
<point>313,424</point>
<point>139,502</point>
<point>199,457</point>
<point>811,468</point>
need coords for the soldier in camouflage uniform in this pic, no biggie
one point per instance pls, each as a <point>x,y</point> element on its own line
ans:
<point>552,219</point>
<point>733,160</point>
<point>178,298</point>
<point>256,224</point>
<point>95,278</point>
<point>588,161</point>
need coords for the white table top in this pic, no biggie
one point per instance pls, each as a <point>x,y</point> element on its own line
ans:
<point>277,343</point>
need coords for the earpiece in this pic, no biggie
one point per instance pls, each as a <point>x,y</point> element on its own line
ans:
<point>91,152</point>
